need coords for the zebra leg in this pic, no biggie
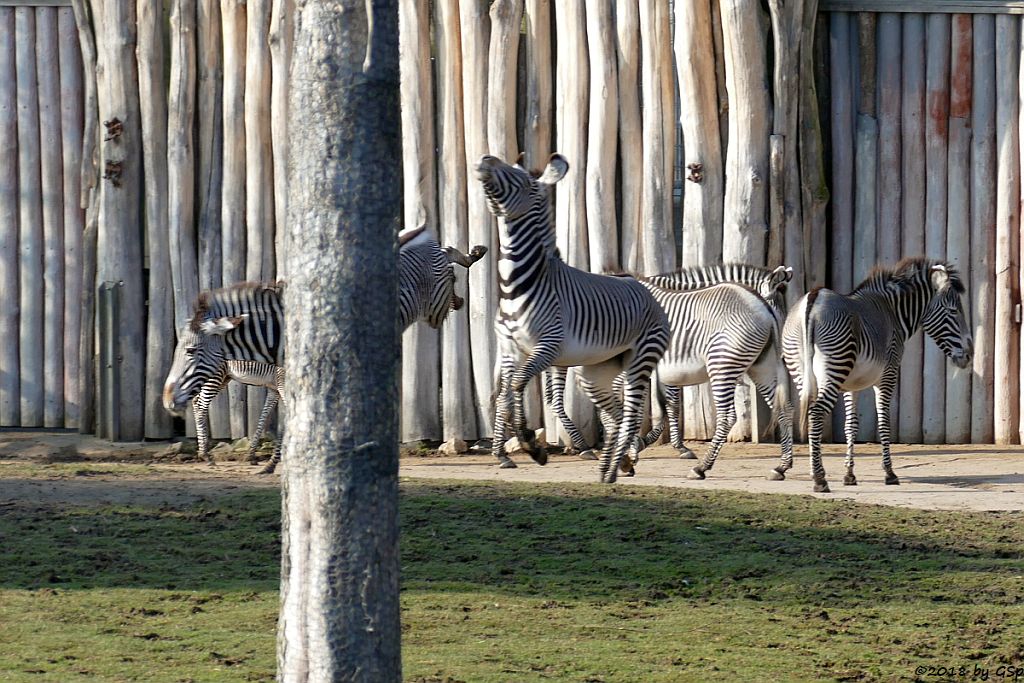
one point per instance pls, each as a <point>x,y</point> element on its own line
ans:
<point>672,396</point>
<point>537,362</point>
<point>201,412</point>
<point>625,437</point>
<point>817,413</point>
<point>276,457</point>
<point>723,389</point>
<point>609,412</point>
<point>261,426</point>
<point>852,424</point>
<point>502,412</point>
<point>766,381</point>
<point>883,399</point>
<point>555,379</point>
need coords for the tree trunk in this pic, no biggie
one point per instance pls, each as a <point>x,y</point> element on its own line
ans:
<point>160,320</point>
<point>983,228</point>
<point>71,75</point>
<point>459,418</point>
<point>958,222</point>
<point>627,46</point>
<point>1007,379</point>
<point>282,28</point>
<point>420,360</point>
<point>9,401</point>
<point>340,482</point>
<point>119,243</point>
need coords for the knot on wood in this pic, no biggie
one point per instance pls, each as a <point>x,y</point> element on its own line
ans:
<point>696,173</point>
<point>112,172</point>
<point>114,129</point>
<point>755,177</point>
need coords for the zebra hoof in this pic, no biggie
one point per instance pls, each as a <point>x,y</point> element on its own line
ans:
<point>891,479</point>
<point>506,464</point>
<point>590,454</point>
<point>686,454</point>
<point>849,480</point>
<point>539,455</point>
<point>696,473</point>
<point>269,469</point>
<point>776,475</point>
<point>821,487</point>
<point>609,477</point>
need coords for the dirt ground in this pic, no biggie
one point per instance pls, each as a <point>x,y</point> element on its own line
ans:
<point>932,477</point>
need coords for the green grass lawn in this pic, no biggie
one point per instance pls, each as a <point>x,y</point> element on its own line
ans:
<point>528,583</point>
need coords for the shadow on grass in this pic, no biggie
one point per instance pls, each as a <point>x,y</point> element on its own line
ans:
<point>558,542</point>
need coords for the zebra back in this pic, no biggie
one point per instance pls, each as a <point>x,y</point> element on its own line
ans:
<point>770,283</point>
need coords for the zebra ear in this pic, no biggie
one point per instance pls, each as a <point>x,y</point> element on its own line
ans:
<point>939,275</point>
<point>222,325</point>
<point>781,275</point>
<point>556,169</point>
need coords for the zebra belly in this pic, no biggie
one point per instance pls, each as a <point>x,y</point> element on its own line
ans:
<point>682,372</point>
<point>865,373</point>
<point>574,353</point>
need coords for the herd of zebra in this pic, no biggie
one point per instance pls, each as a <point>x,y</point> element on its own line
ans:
<point>623,334</point>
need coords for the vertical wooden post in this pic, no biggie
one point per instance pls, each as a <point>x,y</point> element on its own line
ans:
<point>702,168</point>
<point>659,120</point>
<point>9,401</point>
<point>210,147</point>
<point>475,37</point>
<point>603,119</point>
<point>913,108</point>
<point>459,416</point>
<point>159,326</point>
<point>933,408</point>
<point>1007,362</point>
<point>983,227</point>
<point>958,220</point>
<point>747,165</point>
<point>233,197</point>
<point>537,126</point>
<point>420,353</point>
<point>627,48</point>
<point>30,242</point>
<point>571,94</point>
<point>70,57</point>
<point>814,62</point>
<point>281,37</point>
<point>119,244</point>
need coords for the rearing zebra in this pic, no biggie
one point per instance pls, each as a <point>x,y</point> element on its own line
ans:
<point>426,278</point>
<point>836,343</point>
<point>770,283</point>
<point>552,314</point>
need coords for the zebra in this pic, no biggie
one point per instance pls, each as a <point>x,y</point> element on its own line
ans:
<point>552,314</point>
<point>252,373</point>
<point>770,283</point>
<point>241,324</point>
<point>426,278</point>
<point>835,343</point>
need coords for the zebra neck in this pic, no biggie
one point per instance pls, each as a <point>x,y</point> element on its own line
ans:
<point>527,248</point>
<point>908,309</point>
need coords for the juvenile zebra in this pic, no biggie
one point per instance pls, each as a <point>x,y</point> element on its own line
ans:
<point>842,343</point>
<point>550,313</point>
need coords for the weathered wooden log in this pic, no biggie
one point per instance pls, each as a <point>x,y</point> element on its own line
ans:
<point>888,226</point>
<point>70,57</point>
<point>865,187</point>
<point>723,91</point>
<point>119,248</point>
<point>475,30</point>
<point>746,165</point>
<point>233,196</point>
<point>89,155</point>
<point>52,186</point>
<point>87,340</point>
<point>702,168</point>
<point>958,219</point>
<point>459,415</point>
<point>1006,362</point>
<point>843,125</point>
<point>160,319</point>
<point>421,414</point>
<point>538,105</point>
<point>30,223</point>
<point>210,141</point>
<point>659,120</point>
<point>627,49</point>
<point>933,408</point>
<point>9,397</point>
<point>603,120</point>
<point>913,114</point>
<point>983,227</point>
<point>281,38</point>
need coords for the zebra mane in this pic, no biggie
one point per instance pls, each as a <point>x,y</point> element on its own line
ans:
<point>735,273</point>
<point>908,273</point>
<point>213,300</point>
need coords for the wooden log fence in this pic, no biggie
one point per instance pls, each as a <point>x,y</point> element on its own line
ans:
<point>876,136</point>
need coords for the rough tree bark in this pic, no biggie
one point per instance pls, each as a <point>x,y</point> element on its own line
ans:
<point>340,483</point>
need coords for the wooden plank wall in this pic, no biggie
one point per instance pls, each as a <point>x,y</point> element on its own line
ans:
<point>942,180</point>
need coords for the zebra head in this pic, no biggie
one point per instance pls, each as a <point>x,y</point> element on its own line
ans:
<point>512,191</point>
<point>199,355</point>
<point>944,319</point>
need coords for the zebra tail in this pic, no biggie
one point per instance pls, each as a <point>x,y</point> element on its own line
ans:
<point>659,410</point>
<point>781,381</point>
<point>809,384</point>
